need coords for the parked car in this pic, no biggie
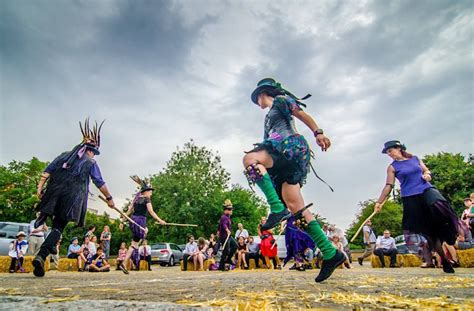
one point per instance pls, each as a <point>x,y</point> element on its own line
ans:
<point>8,231</point>
<point>415,247</point>
<point>166,254</point>
<point>281,244</point>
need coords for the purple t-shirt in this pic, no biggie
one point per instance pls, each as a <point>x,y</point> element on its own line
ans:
<point>224,224</point>
<point>409,174</point>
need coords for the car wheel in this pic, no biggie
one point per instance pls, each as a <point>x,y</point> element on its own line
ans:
<point>162,264</point>
<point>171,263</point>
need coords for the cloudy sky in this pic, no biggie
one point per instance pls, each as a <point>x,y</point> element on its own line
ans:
<point>162,72</point>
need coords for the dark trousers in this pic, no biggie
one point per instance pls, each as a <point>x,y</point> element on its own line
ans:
<point>49,244</point>
<point>387,252</point>
<point>254,256</point>
<point>148,259</point>
<point>185,261</point>
<point>227,253</point>
<point>13,264</point>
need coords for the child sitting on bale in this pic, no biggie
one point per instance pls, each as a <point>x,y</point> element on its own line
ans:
<point>99,263</point>
<point>18,248</point>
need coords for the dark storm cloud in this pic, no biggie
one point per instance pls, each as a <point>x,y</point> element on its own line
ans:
<point>162,72</point>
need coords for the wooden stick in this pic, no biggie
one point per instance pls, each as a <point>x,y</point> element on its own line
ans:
<point>179,225</point>
<point>362,225</point>
<point>279,234</point>
<point>227,239</point>
<point>123,214</point>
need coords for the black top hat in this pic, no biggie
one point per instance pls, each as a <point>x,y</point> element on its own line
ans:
<point>146,188</point>
<point>267,84</point>
<point>393,144</point>
<point>93,148</point>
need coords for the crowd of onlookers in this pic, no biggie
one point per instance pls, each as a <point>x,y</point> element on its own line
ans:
<point>92,252</point>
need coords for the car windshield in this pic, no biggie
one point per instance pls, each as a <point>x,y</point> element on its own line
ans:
<point>159,246</point>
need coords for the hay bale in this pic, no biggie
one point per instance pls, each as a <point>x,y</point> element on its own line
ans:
<point>143,266</point>
<point>190,267</point>
<point>27,264</point>
<point>466,258</point>
<point>409,260</point>
<point>67,264</point>
<point>403,260</point>
<point>252,264</point>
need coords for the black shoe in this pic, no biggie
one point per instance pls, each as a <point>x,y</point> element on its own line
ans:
<point>274,219</point>
<point>360,260</point>
<point>393,266</point>
<point>301,268</point>
<point>293,267</point>
<point>447,267</point>
<point>38,263</point>
<point>328,266</point>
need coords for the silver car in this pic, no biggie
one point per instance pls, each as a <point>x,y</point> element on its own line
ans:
<point>8,231</point>
<point>166,254</point>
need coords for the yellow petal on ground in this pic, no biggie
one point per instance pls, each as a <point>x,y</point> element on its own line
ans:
<point>52,300</point>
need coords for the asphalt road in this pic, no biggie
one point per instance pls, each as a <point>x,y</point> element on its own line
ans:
<point>170,288</point>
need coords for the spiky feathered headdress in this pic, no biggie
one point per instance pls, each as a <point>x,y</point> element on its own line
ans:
<point>90,140</point>
<point>143,183</point>
<point>91,135</point>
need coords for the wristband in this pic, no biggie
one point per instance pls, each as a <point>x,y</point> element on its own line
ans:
<point>109,198</point>
<point>317,132</point>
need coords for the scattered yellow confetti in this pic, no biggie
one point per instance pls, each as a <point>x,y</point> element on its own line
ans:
<point>52,300</point>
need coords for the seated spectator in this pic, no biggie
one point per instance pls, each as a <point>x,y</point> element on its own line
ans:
<point>122,254</point>
<point>385,246</point>
<point>337,244</point>
<point>99,263</point>
<point>85,254</point>
<point>253,252</point>
<point>18,249</point>
<point>241,232</point>
<point>468,214</point>
<point>93,246</point>
<point>74,252</point>
<point>465,239</point>
<point>308,257</point>
<point>212,246</point>
<point>242,250</point>
<point>201,255</point>
<point>190,250</point>
<point>145,253</point>
<point>342,238</point>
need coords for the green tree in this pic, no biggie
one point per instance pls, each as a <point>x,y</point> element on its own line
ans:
<point>192,189</point>
<point>18,183</point>
<point>390,218</point>
<point>453,175</point>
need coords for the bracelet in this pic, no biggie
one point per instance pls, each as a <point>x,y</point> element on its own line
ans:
<point>109,198</point>
<point>318,132</point>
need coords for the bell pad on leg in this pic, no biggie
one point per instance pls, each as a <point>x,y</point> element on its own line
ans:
<point>253,174</point>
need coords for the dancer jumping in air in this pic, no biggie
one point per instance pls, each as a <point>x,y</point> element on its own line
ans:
<point>65,197</point>
<point>283,160</point>
<point>139,208</point>
<point>425,210</point>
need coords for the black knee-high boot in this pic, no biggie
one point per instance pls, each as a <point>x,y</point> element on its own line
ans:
<point>48,247</point>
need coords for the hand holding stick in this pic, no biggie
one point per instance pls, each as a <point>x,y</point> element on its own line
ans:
<point>377,209</point>
<point>123,214</point>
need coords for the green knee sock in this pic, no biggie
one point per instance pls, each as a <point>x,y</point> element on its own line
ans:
<point>276,206</point>
<point>322,242</point>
